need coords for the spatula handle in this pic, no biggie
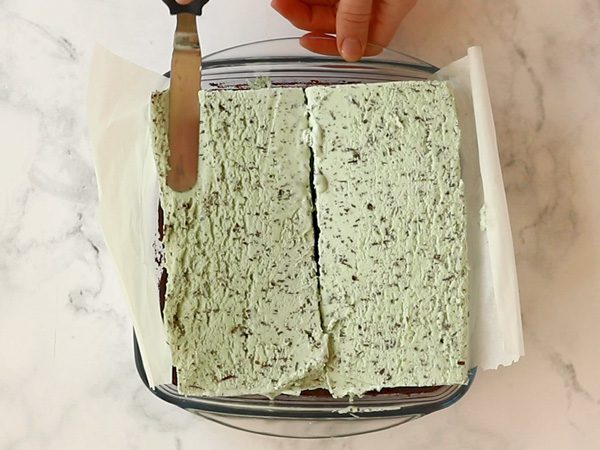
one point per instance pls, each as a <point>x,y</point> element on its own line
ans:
<point>194,7</point>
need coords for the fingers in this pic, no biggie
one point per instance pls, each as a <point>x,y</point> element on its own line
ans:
<point>327,45</point>
<point>386,19</point>
<point>320,43</point>
<point>352,27</point>
<point>310,15</point>
<point>355,23</point>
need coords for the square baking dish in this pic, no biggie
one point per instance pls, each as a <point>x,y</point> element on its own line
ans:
<point>284,62</point>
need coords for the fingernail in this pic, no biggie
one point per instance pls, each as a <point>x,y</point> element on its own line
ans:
<point>352,49</point>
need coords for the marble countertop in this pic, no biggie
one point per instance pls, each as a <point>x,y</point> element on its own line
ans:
<point>67,379</point>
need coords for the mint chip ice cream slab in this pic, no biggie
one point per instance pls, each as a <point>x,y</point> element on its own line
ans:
<point>324,245</point>
<point>242,305</point>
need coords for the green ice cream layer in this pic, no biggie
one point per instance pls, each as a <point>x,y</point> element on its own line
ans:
<point>392,245</point>
<point>242,303</point>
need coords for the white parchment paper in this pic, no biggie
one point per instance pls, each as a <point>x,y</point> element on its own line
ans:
<point>496,330</point>
<point>118,114</point>
<point>119,95</point>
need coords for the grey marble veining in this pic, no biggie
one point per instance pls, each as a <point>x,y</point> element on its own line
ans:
<point>67,379</point>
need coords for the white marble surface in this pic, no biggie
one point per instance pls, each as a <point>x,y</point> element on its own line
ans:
<point>67,379</point>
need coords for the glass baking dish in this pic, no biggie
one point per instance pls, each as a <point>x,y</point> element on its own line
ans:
<point>284,62</point>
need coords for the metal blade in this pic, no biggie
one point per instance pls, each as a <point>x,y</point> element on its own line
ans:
<point>184,108</point>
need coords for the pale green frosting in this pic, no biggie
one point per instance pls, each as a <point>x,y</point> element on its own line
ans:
<point>242,303</point>
<point>392,243</point>
<point>244,312</point>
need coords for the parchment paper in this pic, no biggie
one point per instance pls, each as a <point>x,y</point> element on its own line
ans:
<point>119,94</point>
<point>496,330</point>
<point>118,114</point>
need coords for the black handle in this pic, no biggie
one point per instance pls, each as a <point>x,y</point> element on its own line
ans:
<point>193,8</point>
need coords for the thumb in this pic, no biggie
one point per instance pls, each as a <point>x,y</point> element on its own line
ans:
<point>352,27</point>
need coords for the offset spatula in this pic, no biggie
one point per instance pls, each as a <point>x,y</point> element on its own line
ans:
<point>184,109</point>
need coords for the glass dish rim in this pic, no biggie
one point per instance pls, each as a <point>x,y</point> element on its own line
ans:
<point>337,409</point>
<point>219,406</point>
<point>215,59</point>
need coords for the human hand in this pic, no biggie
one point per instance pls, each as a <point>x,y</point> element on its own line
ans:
<point>356,23</point>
